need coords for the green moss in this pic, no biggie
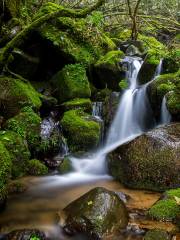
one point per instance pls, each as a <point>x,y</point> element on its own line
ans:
<point>65,166</point>
<point>37,168</point>
<point>27,125</point>
<point>82,133</point>
<point>157,235</point>
<point>111,58</point>
<point>171,61</point>
<point>165,210</point>
<point>71,82</point>
<point>124,35</point>
<point>18,151</point>
<point>172,193</point>
<point>78,103</point>
<point>15,94</point>
<point>5,169</point>
<point>123,84</point>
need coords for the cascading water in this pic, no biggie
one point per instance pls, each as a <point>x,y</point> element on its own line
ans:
<point>97,113</point>
<point>165,114</point>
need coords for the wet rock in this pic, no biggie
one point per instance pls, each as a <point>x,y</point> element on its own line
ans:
<point>26,234</point>
<point>65,166</point>
<point>110,107</point>
<point>157,235</point>
<point>98,213</point>
<point>150,161</point>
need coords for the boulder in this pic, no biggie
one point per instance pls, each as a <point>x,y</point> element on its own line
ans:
<point>78,103</point>
<point>151,161</point>
<point>166,85</point>
<point>71,82</point>
<point>18,151</point>
<point>108,71</point>
<point>98,213</point>
<point>167,208</point>
<point>37,168</point>
<point>81,131</point>
<point>15,94</point>
<point>25,234</point>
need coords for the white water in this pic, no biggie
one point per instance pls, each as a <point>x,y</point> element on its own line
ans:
<point>165,115</point>
<point>133,117</point>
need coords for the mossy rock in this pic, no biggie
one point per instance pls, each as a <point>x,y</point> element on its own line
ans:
<point>5,173</point>
<point>71,82</point>
<point>18,151</point>
<point>16,187</point>
<point>150,161</point>
<point>167,209</point>
<point>98,213</point>
<point>27,125</point>
<point>107,70</point>
<point>15,94</point>
<point>81,131</point>
<point>169,85</point>
<point>65,166</point>
<point>157,235</point>
<point>37,168</point>
<point>78,103</point>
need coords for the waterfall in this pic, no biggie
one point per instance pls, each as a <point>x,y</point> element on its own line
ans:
<point>97,113</point>
<point>165,115</point>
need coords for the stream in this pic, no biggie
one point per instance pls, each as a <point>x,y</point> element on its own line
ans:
<point>42,203</point>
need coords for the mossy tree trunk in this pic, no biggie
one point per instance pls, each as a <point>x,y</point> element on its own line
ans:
<point>22,36</point>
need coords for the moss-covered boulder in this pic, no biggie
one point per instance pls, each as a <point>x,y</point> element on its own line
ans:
<point>5,173</point>
<point>36,168</point>
<point>108,71</point>
<point>148,69</point>
<point>81,131</point>
<point>78,103</point>
<point>18,150</point>
<point>65,166</point>
<point>157,235</point>
<point>98,213</point>
<point>166,85</point>
<point>27,125</point>
<point>167,209</point>
<point>71,82</point>
<point>151,161</point>
<point>24,234</point>
<point>15,94</point>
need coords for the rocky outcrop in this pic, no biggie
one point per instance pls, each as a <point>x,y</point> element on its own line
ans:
<point>151,161</point>
<point>98,213</point>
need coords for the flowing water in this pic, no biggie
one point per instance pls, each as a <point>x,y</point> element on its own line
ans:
<point>133,117</point>
<point>165,115</point>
